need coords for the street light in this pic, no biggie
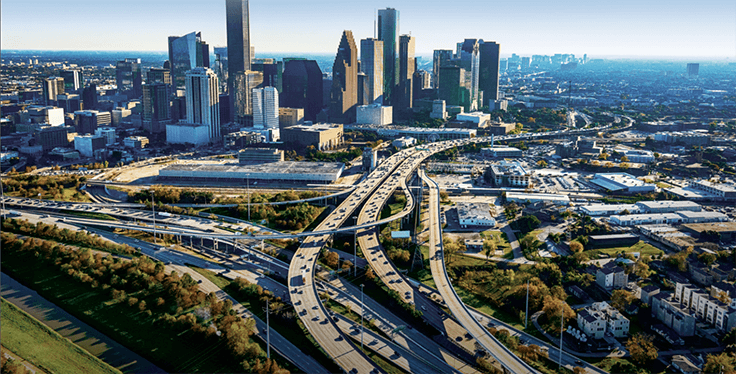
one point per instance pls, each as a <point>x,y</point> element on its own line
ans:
<point>362,311</point>
<point>355,248</point>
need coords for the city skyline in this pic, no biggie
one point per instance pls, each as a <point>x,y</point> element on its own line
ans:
<point>653,29</point>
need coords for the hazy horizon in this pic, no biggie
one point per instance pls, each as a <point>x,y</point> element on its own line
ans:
<point>655,28</point>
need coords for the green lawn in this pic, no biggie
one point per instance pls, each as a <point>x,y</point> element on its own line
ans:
<point>45,348</point>
<point>502,242</point>
<point>128,326</point>
<point>642,247</point>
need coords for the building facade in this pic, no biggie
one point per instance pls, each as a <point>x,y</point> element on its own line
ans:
<point>185,53</point>
<point>388,33</point>
<point>371,64</point>
<point>344,91</point>
<point>374,114</point>
<point>203,100</point>
<point>238,43</point>
<point>129,78</point>
<point>302,87</point>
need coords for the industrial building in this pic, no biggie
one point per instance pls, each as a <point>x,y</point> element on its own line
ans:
<point>322,136</point>
<point>637,155</point>
<point>721,190</point>
<point>613,240</point>
<point>501,151</point>
<point>509,174</point>
<point>726,230</point>
<point>474,214</point>
<point>531,198</point>
<point>667,218</point>
<point>286,171</point>
<point>375,114</point>
<point>687,138</point>
<point>622,182</point>
<point>260,155</point>
<point>661,206</point>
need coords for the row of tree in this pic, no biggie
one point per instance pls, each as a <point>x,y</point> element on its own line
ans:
<point>142,283</point>
<point>53,232</point>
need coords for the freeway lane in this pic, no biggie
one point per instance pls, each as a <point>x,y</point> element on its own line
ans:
<point>511,362</point>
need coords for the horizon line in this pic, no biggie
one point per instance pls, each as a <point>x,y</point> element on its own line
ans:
<point>619,56</point>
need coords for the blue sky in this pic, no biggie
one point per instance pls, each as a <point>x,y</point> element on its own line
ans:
<point>654,28</point>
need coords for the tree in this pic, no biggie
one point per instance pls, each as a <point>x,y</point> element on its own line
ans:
<point>553,307</point>
<point>576,247</point>
<point>489,247</point>
<point>603,156</point>
<point>332,259</point>
<point>369,274</point>
<point>542,163</point>
<point>624,159</point>
<point>723,363</point>
<point>707,258</point>
<point>621,299</point>
<point>642,349</point>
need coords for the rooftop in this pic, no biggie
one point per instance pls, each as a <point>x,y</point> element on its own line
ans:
<point>536,196</point>
<point>713,226</point>
<point>473,210</point>
<point>664,204</point>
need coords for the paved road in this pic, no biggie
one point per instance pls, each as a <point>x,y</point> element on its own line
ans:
<point>439,273</point>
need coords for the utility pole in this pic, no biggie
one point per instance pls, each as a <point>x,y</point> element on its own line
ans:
<point>562,323</point>
<point>362,310</point>
<point>153,209</point>
<point>526,313</point>
<point>355,248</point>
<point>247,188</point>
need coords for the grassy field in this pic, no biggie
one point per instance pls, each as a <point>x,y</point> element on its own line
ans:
<point>642,247</point>
<point>162,345</point>
<point>45,348</point>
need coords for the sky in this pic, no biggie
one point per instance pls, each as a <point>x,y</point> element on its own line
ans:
<point>599,28</point>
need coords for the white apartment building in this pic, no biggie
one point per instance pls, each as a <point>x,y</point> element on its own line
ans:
<point>599,318</point>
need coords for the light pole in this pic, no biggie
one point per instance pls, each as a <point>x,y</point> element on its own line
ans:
<point>153,209</point>
<point>268,332</point>
<point>355,248</point>
<point>362,311</point>
<point>562,323</point>
<point>247,188</point>
<point>526,314</point>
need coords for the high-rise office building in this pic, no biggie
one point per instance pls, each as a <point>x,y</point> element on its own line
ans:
<point>302,87</point>
<point>490,53</point>
<point>158,75</point>
<point>388,32</point>
<point>87,121</point>
<point>440,58</point>
<point>245,83</point>
<point>73,80</point>
<point>185,53</point>
<point>407,66</point>
<point>89,97</point>
<point>203,100</point>
<point>51,87</point>
<point>344,92</point>
<point>69,102</point>
<point>266,108</point>
<point>272,71</point>
<point>238,42</point>
<point>220,67</point>
<point>156,107</point>
<point>371,63</point>
<point>468,57</point>
<point>693,69</point>
<point>454,88</point>
<point>128,78</point>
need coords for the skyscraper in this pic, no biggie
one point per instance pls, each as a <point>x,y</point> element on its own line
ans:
<point>238,42</point>
<point>388,32</point>
<point>51,87</point>
<point>371,63</point>
<point>454,88</point>
<point>89,97</point>
<point>407,66</point>
<point>469,59</point>
<point>302,87</point>
<point>185,53</point>
<point>245,83</point>
<point>156,106</point>
<point>440,58</point>
<point>73,80</point>
<point>203,100</point>
<point>220,67</point>
<point>490,53</point>
<point>344,92</point>
<point>266,108</point>
<point>128,78</point>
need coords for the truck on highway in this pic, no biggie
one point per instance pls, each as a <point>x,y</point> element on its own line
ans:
<point>164,214</point>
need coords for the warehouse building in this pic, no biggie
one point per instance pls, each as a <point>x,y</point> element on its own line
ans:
<point>509,174</point>
<point>287,171</point>
<point>622,182</point>
<point>473,214</point>
<point>501,151</point>
<point>531,198</point>
<point>668,218</point>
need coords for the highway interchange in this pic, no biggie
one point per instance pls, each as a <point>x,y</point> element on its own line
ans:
<point>372,193</point>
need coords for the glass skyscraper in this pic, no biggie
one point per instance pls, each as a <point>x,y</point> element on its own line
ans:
<point>388,32</point>
<point>185,53</point>
<point>238,42</point>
